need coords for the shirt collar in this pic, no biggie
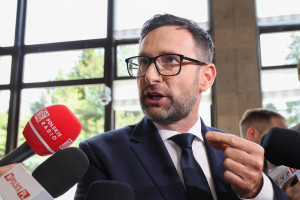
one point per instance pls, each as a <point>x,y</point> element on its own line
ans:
<point>166,134</point>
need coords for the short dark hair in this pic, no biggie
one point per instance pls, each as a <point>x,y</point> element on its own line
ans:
<point>203,40</point>
<point>257,117</point>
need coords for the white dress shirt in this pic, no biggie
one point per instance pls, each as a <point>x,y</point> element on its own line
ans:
<point>200,154</point>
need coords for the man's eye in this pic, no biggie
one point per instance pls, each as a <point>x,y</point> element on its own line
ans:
<point>171,60</point>
<point>143,62</point>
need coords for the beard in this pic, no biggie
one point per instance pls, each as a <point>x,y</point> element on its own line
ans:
<point>177,109</point>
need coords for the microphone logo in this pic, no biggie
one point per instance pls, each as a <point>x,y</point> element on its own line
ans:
<point>21,192</point>
<point>41,115</point>
<point>66,144</point>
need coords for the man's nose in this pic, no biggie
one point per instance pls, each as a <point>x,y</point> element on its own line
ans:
<point>152,76</point>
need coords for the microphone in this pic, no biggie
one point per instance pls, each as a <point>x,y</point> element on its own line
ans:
<point>48,131</point>
<point>109,190</point>
<point>49,180</point>
<point>18,184</point>
<point>61,171</point>
<point>282,147</point>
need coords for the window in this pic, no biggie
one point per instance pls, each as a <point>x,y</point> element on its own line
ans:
<point>126,104</point>
<point>5,63</point>
<point>279,27</point>
<point>4,100</point>
<point>7,22</point>
<point>280,48</point>
<point>64,65</point>
<point>131,14</point>
<point>281,91</point>
<point>123,52</point>
<point>83,101</point>
<point>67,20</point>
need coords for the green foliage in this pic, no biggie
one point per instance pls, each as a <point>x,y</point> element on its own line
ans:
<point>270,106</point>
<point>294,47</point>
<point>128,117</point>
<point>3,132</point>
<point>89,65</point>
<point>292,110</point>
<point>83,101</point>
<point>294,56</point>
<point>290,113</point>
<point>125,51</point>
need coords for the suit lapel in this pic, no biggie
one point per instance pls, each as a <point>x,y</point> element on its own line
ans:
<point>216,159</point>
<point>149,148</point>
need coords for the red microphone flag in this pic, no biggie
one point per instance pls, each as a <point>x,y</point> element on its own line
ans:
<point>52,129</point>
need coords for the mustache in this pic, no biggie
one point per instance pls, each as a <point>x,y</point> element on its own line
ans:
<point>155,88</point>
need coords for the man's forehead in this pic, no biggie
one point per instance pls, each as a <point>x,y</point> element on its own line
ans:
<point>167,39</point>
<point>165,30</point>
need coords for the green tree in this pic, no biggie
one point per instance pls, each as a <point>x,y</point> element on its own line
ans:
<point>292,110</point>
<point>294,47</point>
<point>3,132</point>
<point>125,51</point>
<point>270,106</point>
<point>293,57</point>
<point>127,117</point>
<point>83,101</point>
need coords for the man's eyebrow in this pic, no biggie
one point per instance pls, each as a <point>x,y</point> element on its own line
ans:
<point>142,54</point>
<point>160,53</point>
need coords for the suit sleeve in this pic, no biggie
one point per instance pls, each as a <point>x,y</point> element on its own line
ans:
<point>94,172</point>
<point>279,193</point>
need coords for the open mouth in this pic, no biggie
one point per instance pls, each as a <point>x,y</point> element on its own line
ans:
<point>155,96</point>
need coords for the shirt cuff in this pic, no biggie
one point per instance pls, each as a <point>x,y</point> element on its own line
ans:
<point>267,191</point>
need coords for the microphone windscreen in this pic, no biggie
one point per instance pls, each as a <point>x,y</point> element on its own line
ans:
<point>51,130</point>
<point>61,171</point>
<point>282,147</point>
<point>109,190</point>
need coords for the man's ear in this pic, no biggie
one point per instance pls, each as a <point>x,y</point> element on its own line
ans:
<point>207,76</point>
<point>251,134</point>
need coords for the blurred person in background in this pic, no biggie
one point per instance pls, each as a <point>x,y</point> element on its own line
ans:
<point>254,124</point>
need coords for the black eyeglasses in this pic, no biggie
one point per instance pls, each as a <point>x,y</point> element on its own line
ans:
<point>166,64</point>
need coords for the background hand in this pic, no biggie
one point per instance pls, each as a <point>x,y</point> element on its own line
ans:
<point>293,192</point>
<point>6,168</point>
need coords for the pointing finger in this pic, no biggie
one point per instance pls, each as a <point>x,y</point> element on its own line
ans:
<point>222,140</point>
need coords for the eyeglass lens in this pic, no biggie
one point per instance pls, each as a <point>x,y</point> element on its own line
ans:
<point>166,64</point>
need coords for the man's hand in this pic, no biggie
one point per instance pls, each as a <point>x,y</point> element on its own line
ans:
<point>6,168</point>
<point>293,192</point>
<point>244,162</point>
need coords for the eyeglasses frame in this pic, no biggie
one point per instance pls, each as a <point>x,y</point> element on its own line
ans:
<point>153,59</point>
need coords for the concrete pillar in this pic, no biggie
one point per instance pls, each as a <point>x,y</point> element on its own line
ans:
<point>237,84</point>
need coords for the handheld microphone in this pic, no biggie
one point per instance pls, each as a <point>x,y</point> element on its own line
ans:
<point>48,131</point>
<point>109,190</point>
<point>61,171</point>
<point>282,147</point>
<point>51,179</point>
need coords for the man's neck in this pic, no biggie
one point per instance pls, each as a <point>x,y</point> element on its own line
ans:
<point>181,126</point>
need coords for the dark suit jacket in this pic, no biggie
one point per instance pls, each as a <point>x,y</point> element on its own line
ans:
<point>136,155</point>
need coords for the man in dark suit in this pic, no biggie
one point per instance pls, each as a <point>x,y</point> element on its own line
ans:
<point>173,68</point>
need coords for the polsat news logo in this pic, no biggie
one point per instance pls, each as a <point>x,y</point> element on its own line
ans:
<point>21,192</point>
